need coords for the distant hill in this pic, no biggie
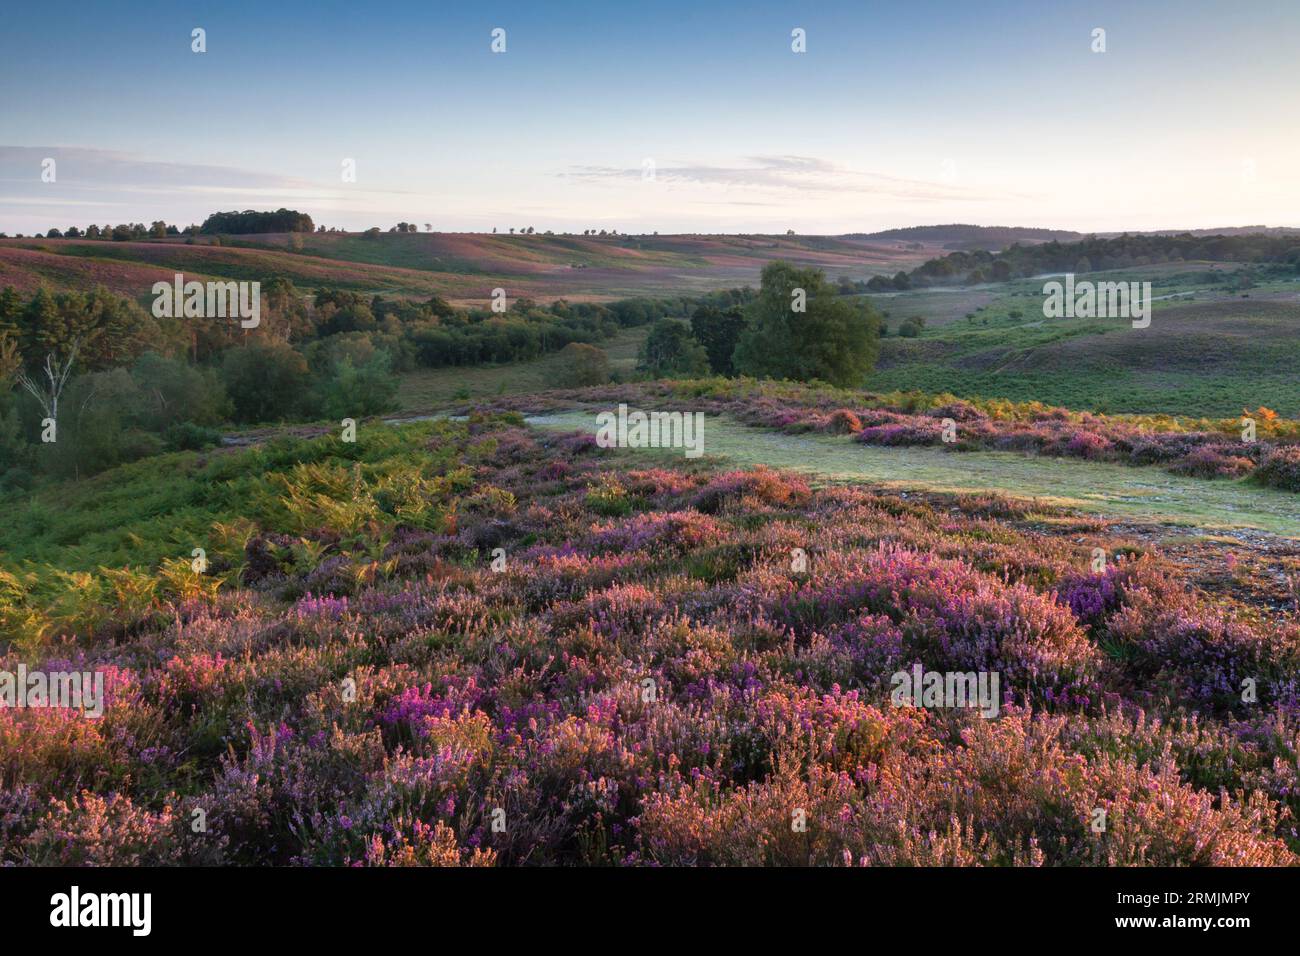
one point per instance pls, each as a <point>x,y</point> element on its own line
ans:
<point>1226,231</point>
<point>465,267</point>
<point>964,236</point>
<point>461,267</point>
<point>1279,251</point>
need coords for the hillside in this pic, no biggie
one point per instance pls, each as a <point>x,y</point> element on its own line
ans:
<point>1210,350</point>
<point>966,236</point>
<point>461,267</point>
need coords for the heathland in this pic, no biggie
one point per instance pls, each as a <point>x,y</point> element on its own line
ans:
<point>460,632</point>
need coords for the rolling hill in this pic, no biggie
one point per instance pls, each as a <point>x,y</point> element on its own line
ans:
<point>462,267</point>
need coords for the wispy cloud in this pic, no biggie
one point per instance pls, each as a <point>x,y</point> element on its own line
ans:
<point>79,166</point>
<point>786,174</point>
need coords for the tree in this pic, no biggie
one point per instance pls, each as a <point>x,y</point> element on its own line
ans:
<point>440,307</point>
<point>114,330</point>
<point>342,311</point>
<point>265,382</point>
<point>11,309</point>
<point>670,350</point>
<point>348,388</point>
<point>173,391</point>
<point>43,329</point>
<point>47,386</point>
<point>111,329</point>
<point>833,339</point>
<point>284,313</point>
<point>719,332</point>
<point>96,431</point>
<point>582,365</point>
<point>11,360</point>
<point>250,221</point>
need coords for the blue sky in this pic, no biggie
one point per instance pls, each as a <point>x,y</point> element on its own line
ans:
<point>898,114</point>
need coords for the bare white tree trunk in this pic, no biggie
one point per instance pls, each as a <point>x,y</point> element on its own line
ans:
<point>56,375</point>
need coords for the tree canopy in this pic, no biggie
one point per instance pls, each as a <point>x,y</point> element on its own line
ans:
<point>833,338</point>
<point>251,221</point>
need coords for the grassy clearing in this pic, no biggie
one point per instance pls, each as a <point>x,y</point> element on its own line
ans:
<point>1147,494</point>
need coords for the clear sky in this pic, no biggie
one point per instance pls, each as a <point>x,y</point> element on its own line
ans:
<point>899,113</point>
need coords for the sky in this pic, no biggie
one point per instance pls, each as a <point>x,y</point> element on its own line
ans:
<point>666,116</point>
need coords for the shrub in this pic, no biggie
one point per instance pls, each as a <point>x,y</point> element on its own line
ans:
<point>265,382</point>
<point>911,327</point>
<point>187,436</point>
<point>1281,468</point>
<point>842,421</point>
<point>582,365</point>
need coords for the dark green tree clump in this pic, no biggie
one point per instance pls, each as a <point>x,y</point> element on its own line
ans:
<point>582,365</point>
<point>833,339</point>
<point>251,221</point>
<point>718,330</point>
<point>671,351</point>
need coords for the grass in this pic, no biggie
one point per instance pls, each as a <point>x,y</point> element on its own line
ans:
<point>1147,494</point>
<point>1211,355</point>
<point>146,512</point>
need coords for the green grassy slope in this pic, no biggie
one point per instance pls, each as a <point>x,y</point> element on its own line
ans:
<point>1207,352</point>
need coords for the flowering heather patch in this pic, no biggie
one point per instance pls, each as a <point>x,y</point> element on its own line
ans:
<point>1215,461</point>
<point>460,653</point>
<point>1281,468</point>
<point>900,433</point>
<point>758,487</point>
<point>676,531</point>
<point>1083,444</point>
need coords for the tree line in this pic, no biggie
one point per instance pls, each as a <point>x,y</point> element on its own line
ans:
<point>120,383</point>
<point>1091,255</point>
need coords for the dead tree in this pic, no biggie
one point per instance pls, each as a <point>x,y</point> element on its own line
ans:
<point>47,392</point>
